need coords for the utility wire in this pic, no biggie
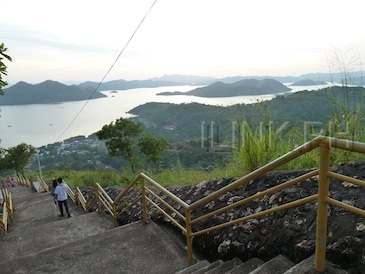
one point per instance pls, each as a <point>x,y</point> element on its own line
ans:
<point>106,74</point>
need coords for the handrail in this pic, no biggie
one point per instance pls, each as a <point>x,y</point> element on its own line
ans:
<point>149,192</point>
<point>258,195</point>
<point>346,179</point>
<point>122,205</point>
<point>175,204</point>
<point>165,191</point>
<point>9,204</point>
<point>80,199</point>
<point>260,214</point>
<point>4,221</point>
<point>7,214</point>
<point>259,172</point>
<point>102,198</point>
<point>23,181</point>
<point>71,194</point>
<point>43,185</point>
<point>104,194</point>
<point>10,207</point>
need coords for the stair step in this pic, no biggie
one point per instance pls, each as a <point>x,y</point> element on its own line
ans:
<point>35,210</point>
<point>193,267</point>
<point>246,267</point>
<point>277,265</point>
<point>58,232</point>
<point>224,267</point>
<point>133,248</point>
<point>307,266</point>
<point>208,267</point>
<point>41,242</point>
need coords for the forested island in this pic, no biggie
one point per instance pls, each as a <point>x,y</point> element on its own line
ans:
<point>240,88</point>
<point>47,92</point>
<point>202,135</point>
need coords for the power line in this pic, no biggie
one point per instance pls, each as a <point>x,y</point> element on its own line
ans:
<point>109,70</point>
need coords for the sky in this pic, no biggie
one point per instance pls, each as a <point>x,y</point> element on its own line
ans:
<point>79,40</point>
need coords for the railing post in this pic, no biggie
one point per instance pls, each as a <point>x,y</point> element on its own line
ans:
<point>77,201</point>
<point>144,202</point>
<point>115,215</point>
<point>189,238</point>
<point>99,199</point>
<point>322,210</point>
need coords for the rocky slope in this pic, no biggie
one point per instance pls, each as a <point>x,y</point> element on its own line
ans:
<point>290,233</point>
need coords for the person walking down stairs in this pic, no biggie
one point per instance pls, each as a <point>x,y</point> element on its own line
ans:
<point>61,196</point>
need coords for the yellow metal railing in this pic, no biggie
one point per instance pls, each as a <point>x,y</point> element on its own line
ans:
<point>7,211</point>
<point>23,181</point>
<point>148,192</point>
<point>77,197</point>
<point>43,185</point>
<point>103,201</point>
<point>4,219</point>
<point>80,200</point>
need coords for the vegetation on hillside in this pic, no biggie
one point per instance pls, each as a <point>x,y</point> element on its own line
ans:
<point>47,92</point>
<point>123,138</point>
<point>3,67</point>
<point>206,150</point>
<point>205,142</point>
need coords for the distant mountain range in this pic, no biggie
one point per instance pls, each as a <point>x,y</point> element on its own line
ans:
<point>55,92</point>
<point>353,78</point>
<point>124,84</point>
<point>308,82</point>
<point>47,92</point>
<point>240,88</point>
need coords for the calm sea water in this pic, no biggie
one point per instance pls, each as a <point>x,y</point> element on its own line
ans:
<point>42,124</point>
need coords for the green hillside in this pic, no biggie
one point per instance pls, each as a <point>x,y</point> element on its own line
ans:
<point>45,93</point>
<point>296,108</point>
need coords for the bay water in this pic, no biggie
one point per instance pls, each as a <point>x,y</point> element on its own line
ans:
<point>42,124</point>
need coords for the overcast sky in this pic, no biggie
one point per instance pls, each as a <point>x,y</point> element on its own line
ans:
<point>78,40</point>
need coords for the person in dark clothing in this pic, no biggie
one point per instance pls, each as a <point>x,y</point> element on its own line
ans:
<point>53,186</point>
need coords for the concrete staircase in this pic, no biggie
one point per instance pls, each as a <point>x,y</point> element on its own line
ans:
<point>41,242</point>
<point>277,265</point>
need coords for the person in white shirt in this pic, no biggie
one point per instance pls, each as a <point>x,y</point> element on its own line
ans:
<point>61,196</point>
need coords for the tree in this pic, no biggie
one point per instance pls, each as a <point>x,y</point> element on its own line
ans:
<point>120,139</point>
<point>152,147</point>
<point>17,158</point>
<point>3,67</point>
<point>2,158</point>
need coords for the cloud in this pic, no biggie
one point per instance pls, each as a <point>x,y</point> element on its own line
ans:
<point>79,40</point>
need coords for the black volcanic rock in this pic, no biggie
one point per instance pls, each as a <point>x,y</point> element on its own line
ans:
<point>241,88</point>
<point>45,93</point>
<point>290,233</point>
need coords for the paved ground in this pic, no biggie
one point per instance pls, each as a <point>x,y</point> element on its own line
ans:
<point>41,242</point>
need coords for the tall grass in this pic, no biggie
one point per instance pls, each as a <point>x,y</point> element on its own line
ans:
<point>88,178</point>
<point>262,144</point>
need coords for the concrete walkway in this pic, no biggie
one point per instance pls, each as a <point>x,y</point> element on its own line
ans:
<point>41,242</point>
